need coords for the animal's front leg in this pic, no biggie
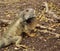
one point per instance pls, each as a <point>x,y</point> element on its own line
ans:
<point>18,41</point>
<point>28,31</point>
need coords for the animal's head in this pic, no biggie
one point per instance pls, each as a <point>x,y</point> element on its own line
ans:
<point>29,13</point>
<point>30,18</point>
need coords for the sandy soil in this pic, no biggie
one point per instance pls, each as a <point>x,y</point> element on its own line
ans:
<point>9,10</point>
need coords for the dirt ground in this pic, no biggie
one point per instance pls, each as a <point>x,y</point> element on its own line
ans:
<point>9,10</point>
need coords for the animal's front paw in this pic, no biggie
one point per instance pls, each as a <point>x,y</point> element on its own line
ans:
<point>31,35</point>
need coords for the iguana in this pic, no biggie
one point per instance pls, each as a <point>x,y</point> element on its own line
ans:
<point>14,31</point>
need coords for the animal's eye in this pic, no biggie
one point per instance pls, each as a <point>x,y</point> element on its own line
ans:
<point>27,10</point>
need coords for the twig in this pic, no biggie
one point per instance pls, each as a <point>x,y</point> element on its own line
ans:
<point>6,21</point>
<point>50,11</point>
<point>46,27</point>
<point>53,33</point>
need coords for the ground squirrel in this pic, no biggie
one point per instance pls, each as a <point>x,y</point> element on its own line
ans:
<point>21,24</point>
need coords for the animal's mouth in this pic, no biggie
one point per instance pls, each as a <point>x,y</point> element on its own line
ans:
<point>30,20</point>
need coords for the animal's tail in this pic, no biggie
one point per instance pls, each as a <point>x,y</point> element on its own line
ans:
<point>1,43</point>
<point>4,42</point>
